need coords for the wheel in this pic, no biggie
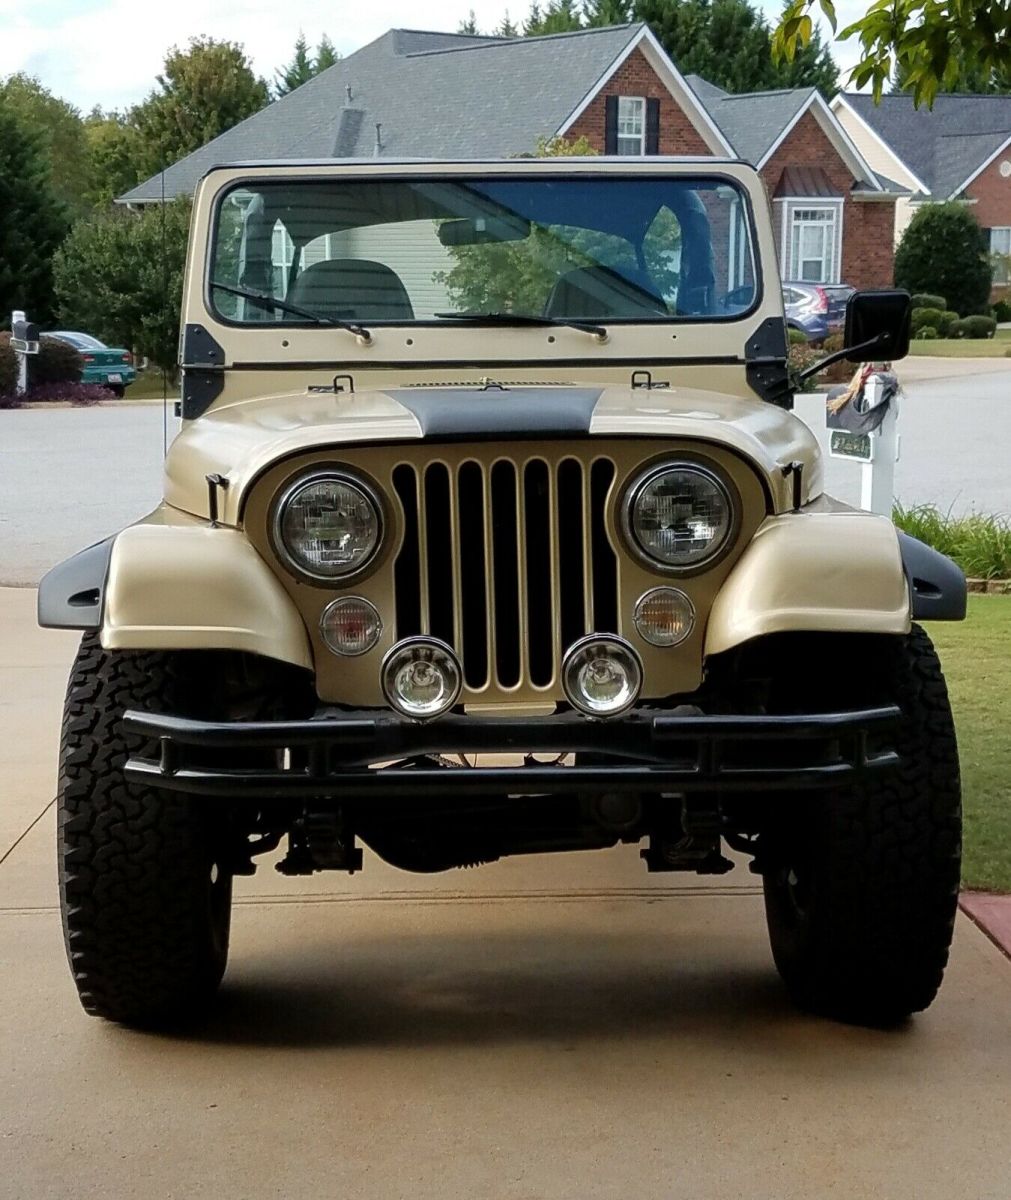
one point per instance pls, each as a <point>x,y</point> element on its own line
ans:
<point>145,889</point>
<point>861,884</point>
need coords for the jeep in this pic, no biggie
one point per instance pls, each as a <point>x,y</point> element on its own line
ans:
<point>490,531</point>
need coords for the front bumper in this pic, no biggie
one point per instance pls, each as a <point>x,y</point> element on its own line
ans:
<point>340,755</point>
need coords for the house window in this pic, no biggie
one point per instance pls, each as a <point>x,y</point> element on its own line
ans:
<point>631,125</point>
<point>813,241</point>
<point>1000,251</point>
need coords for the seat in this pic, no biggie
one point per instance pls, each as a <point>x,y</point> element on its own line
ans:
<point>601,292</point>
<point>352,289</point>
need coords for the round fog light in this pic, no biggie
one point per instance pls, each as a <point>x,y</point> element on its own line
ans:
<point>601,675</point>
<point>664,616</point>
<point>422,678</point>
<point>350,625</point>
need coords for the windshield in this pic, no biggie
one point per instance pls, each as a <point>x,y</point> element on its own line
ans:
<point>403,251</point>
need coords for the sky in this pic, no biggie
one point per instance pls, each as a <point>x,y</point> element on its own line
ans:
<point>108,52</point>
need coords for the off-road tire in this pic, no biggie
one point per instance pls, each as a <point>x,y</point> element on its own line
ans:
<point>145,901</point>
<point>862,898</point>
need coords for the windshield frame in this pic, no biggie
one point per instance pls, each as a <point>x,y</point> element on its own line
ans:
<point>715,176</point>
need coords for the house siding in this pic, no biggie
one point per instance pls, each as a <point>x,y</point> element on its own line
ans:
<point>635,77</point>
<point>992,195</point>
<point>868,227</point>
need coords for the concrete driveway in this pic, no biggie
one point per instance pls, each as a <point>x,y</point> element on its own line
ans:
<point>541,1029</point>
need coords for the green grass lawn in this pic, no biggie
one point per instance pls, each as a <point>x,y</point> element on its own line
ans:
<point>976,656</point>
<point>963,347</point>
<point>148,386</point>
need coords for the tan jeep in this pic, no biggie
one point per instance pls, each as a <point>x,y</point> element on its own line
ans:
<point>489,531</point>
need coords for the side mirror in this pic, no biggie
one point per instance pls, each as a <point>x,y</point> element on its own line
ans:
<point>877,326</point>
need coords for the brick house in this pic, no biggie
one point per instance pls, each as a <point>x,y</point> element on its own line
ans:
<point>442,95</point>
<point>958,150</point>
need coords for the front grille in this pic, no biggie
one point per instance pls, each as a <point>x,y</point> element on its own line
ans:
<point>508,562</point>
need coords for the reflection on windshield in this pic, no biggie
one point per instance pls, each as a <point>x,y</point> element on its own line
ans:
<point>401,251</point>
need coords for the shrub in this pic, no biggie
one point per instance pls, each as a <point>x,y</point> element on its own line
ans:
<point>832,343</point>
<point>928,300</point>
<point>946,322</point>
<point>943,249</point>
<point>8,366</point>
<point>1002,310</point>
<point>801,357</point>
<point>81,394</point>
<point>56,362</point>
<point>797,337</point>
<point>926,333</point>
<point>978,327</point>
<point>926,316</point>
<point>980,544</point>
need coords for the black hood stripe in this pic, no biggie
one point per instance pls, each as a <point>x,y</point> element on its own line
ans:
<point>499,412</point>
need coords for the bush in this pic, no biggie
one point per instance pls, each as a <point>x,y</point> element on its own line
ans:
<point>927,300</point>
<point>926,333</point>
<point>978,327</point>
<point>796,337</point>
<point>980,544</point>
<point>8,365</point>
<point>926,316</point>
<point>81,394</point>
<point>832,343</point>
<point>946,322</point>
<point>1002,310</point>
<point>56,362</point>
<point>944,250</point>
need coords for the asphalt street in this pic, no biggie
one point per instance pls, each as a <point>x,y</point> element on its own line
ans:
<point>69,477</point>
<point>541,1029</point>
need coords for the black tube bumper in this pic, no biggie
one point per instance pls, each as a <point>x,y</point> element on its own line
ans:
<point>347,755</point>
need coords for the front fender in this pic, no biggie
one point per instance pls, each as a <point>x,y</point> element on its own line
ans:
<point>839,572</point>
<point>176,583</point>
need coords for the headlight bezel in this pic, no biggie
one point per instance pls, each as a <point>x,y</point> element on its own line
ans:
<point>323,475</point>
<point>699,465</point>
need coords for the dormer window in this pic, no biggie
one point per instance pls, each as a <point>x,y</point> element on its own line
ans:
<point>631,125</point>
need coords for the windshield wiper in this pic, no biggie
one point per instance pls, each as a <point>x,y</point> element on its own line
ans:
<point>266,301</point>
<point>507,318</point>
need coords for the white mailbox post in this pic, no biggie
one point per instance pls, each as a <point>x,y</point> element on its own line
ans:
<point>875,449</point>
<point>24,341</point>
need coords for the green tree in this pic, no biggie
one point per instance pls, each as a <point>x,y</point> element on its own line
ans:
<point>930,43</point>
<point>326,55</point>
<point>61,131</point>
<point>971,79</point>
<point>558,16</point>
<point>117,155</point>
<point>944,251</point>
<point>469,24</point>
<point>120,276</point>
<point>298,71</point>
<point>204,90</point>
<point>507,27</point>
<point>33,219</point>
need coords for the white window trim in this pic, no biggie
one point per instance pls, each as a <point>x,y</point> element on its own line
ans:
<point>792,204</point>
<point>619,137</point>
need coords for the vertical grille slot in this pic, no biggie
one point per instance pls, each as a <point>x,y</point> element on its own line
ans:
<point>537,543</point>
<point>470,490</point>
<point>604,567</point>
<point>407,569</point>
<point>505,573</point>
<point>572,544</point>
<point>439,546</point>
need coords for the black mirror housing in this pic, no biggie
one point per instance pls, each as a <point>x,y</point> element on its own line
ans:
<point>877,326</point>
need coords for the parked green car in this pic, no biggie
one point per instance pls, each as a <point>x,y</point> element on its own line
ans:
<point>103,365</point>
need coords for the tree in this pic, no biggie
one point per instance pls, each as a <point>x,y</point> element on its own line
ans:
<point>204,91</point>
<point>469,25</point>
<point>33,219</point>
<point>944,251</point>
<point>506,28</point>
<point>326,55</point>
<point>931,43</point>
<point>971,79</point>
<point>558,16</point>
<point>117,155</point>
<point>300,70</point>
<point>61,132</point>
<point>120,276</point>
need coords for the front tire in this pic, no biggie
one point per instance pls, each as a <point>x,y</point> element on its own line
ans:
<point>144,886</point>
<point>861,885</point>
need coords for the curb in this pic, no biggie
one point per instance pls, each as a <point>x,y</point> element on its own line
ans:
<point>990,913</point>
<point>991,587</point>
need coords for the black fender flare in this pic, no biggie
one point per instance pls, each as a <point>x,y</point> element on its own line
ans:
<point>937,588</point>
<point>72,594</point>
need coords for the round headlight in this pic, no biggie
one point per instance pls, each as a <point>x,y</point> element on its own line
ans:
<point>679,516</point>
<point>328,526</point>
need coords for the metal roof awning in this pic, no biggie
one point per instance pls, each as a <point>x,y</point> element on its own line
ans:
<point>805,183</point>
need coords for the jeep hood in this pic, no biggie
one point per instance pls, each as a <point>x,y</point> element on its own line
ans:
<point>241,440</point>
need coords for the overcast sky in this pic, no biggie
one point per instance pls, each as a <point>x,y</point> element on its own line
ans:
<point>108,52</point>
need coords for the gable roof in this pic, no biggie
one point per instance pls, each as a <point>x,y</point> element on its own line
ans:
<point>434,95</point>
<point>751,121</point>
<point>945,147</point>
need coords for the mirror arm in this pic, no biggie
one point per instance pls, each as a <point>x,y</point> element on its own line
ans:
<point>882,339</point>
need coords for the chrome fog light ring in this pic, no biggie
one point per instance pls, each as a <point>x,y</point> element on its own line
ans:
<point>352,611</point>
<point>602,675</point>
<point>421,678</point>
<point>662,606</point>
